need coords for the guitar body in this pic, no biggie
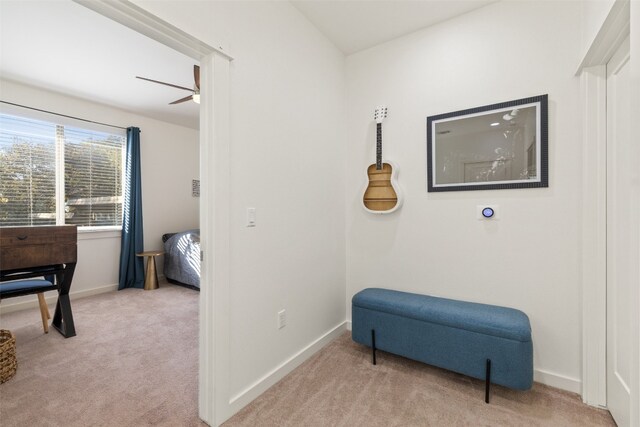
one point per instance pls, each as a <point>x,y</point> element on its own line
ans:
<point>382,194</point>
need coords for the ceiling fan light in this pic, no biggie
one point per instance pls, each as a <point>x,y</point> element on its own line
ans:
<point>196,98</point>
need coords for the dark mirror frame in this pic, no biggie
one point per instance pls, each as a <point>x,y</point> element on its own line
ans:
<point>501,185</point>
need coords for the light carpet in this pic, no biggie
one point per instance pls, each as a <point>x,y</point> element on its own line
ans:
<point>134,363</point>
<point>340,387</point>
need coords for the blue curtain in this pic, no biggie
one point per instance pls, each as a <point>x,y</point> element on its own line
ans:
<point>132,266</point>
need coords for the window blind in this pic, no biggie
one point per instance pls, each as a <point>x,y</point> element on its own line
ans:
<point>88,167</point>
<point>27,172</point>
<point>92,177</point>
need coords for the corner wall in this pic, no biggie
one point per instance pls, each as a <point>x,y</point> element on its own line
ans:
<point>287,160</point>
<point>169,163</point>
<point>529,259</point>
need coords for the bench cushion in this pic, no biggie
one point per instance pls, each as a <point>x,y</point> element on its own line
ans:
<point>486,319</point>
<point>7,289</point>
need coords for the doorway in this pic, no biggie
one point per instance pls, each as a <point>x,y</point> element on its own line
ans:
<point>611,226</point>
<point>213,390</point>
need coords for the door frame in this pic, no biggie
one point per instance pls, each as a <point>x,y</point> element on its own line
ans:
<point>592,72</point>
<point>594,236</point>
<point>213,393</point>
<point>620,59</point>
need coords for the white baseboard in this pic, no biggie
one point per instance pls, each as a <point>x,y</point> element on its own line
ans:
<point>563,382</point>
<point>7,307</point>
<point>243,398</point>
<point>349,325</point>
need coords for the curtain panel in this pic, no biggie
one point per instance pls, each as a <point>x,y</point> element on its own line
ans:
<point>132,266</point>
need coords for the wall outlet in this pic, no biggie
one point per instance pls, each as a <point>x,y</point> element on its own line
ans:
<point>282,319</point>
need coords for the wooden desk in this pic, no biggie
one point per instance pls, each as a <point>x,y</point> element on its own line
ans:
<point>27,252</point>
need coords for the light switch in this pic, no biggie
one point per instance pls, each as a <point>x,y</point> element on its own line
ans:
<point>282,319</point>
<point>251,217</point>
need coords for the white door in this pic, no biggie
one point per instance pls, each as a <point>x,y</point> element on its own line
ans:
<point>621,253</point>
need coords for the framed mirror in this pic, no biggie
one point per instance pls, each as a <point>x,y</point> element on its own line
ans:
<point>499,146</point>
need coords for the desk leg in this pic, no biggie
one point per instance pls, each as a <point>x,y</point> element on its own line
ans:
<point>63,317</point>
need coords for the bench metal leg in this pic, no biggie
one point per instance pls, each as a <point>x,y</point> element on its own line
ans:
<point>373,346</point>
<point>487,384</point>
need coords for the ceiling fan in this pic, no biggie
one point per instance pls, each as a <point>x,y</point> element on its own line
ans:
<point>195,95</point>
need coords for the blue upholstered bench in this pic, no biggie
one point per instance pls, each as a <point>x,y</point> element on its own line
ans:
<point>487,342</point>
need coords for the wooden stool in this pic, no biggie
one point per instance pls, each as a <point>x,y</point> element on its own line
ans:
<point>151,275</point>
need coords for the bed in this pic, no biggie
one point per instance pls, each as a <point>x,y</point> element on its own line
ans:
<point>182,258</point>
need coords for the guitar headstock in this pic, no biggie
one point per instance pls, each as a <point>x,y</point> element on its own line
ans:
<point>380,114</point>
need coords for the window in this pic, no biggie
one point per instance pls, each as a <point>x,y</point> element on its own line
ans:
<point>58,174</point>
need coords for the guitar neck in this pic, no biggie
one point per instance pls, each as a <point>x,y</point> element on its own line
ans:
<point>379,147</point>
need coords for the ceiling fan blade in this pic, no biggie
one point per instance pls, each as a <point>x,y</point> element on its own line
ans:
<point>185,99</point>
<point>163,83</point>
<point>196,75</point>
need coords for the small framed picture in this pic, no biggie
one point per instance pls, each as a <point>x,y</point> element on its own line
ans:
<point>195,188</point>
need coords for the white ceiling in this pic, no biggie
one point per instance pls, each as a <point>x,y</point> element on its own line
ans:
<point>65,47</point>
<point>354,25</point>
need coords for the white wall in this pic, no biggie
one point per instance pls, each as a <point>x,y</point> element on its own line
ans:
<point>594,13</point>
<point>530,258</point>
<point>287,161</point>
<point>169,162</point>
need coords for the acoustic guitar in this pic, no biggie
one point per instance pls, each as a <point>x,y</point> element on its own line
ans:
<point>383,193</point>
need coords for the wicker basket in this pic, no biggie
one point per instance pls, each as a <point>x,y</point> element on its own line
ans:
<point>8,361</point>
